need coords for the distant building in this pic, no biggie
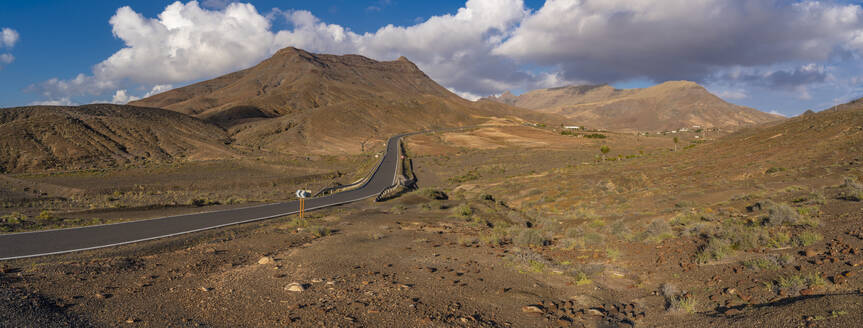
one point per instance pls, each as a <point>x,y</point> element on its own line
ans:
<point>572,127</point>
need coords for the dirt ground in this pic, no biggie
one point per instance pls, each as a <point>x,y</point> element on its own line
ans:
<point>512,227</point>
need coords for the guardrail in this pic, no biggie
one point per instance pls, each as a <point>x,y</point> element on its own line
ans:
<point>405,181</point>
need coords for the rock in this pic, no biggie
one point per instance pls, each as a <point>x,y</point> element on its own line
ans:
<point>295,287</point>
<point>730,291</point>
<point>855,263</point>
<point>732,312</point>
<point>206,289</point>
<point>102,296</point>
<point>849,274</point>
<point>594,312</point>
<point>317,280</point>
<point>532,309</point>
<point>810,252</point>
<point>132,320</point>
<point>807,291</point>
<point>266,260</point>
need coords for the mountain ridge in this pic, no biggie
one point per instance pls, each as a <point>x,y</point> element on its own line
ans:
<point>666,106</point>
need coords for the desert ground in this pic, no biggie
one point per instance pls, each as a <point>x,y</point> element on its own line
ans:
<point>512,226</point>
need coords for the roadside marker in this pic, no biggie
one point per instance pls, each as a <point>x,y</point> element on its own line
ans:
<point>302,207</point>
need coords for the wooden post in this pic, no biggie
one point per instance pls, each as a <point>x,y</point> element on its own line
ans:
<point>302,207</point>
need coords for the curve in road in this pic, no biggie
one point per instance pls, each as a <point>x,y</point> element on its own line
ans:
<point>50,242</point>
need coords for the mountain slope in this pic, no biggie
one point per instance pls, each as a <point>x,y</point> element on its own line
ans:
<point>302,102</point>
<point>102,135</point>
<point>667,106</point>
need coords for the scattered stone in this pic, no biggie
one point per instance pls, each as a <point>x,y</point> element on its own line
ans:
<point>810,252</point>
<point>532,309</point>
<point>732,312</point>
<point>295,287</point>
<point>404,287</point>
<point>849,274</point>
<point>206,289</point>
<point>594,312</point>
<point>132,320</point>
<point>317,280</point>
<point>266,260</point>
<point>102,296</point>
<point>807,291</point>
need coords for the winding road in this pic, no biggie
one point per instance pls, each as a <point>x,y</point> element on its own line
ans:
<point>49,242</point>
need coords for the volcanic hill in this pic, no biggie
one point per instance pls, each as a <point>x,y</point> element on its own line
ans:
<point>297,101</point>
<point>102,135</point>
<point>667,106</point>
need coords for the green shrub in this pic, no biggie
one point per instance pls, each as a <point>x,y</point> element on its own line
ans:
<point>463,210</point>
<point>682,304</point>
<point>779,214</point>
<point>715,249</point>
<point>13,218</point>
<point>851,190</point>
<point>467,240</point>
<point>319,231</point>
<point>764,263</point>
<point>433,194</point>
<point>45,215</point>
<point>595,136</point>
<point>530,237</point>
<point>807,238</point>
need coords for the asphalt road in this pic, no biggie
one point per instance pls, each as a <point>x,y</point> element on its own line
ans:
<point>48,242</point>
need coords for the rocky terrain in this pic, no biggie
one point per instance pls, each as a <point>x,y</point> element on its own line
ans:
<point>666,106</point>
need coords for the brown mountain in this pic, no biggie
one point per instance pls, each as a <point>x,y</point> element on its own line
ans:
<point>667,106</point>
<point>97,136</point>
<point>302,102</point>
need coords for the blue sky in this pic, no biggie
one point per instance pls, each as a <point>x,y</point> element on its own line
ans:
<point>782,56</point>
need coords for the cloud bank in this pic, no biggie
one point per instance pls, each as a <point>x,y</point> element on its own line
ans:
<point>489,46</point>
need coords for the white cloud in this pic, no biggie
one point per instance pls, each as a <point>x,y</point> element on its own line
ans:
<point>489,46</point>
<point>613,40</point>
<point>454,49</point>
<point>8,37</point>
<point>185,42</point>
<point>157,89</point>
<point>774,112</point>
<point>732,94</point>
<point>54,102</point>
<point>465,95</point>
<point>120,97</point>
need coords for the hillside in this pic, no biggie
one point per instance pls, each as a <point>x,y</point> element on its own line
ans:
<point>667,106</point>
<point>297,101</point>
<point>97,136</point>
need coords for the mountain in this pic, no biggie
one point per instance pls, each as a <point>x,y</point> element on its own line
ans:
<point>297,101</point>
<point>102,135</point>
<point>667,106</point>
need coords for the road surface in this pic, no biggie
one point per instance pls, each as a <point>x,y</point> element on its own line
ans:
<point>49,242</point>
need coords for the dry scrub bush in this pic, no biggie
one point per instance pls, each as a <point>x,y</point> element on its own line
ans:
<point>851,190</point>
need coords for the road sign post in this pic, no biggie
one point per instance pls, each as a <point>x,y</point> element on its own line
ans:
<point>302,194</point>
